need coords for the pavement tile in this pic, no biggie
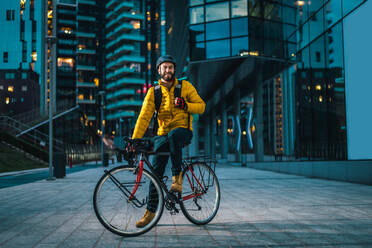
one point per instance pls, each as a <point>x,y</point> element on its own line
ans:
<point>258,209</point>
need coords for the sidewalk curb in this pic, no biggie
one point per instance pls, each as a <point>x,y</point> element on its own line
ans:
<point>24,172</point>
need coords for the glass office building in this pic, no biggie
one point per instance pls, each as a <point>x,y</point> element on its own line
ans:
<point>288,57</point>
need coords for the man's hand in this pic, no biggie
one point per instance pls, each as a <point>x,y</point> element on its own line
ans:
<point>180,102</point>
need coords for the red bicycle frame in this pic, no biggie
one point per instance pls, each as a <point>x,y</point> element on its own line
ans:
<point>138,180</point>
<point>192,187</point>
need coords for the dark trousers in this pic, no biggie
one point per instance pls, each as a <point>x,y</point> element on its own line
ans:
<point>173,143</point>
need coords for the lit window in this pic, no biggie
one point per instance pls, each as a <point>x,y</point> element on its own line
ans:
<point>34,56</point>
<point>81,97</point>
<point>10,88</point>
<point>136,24</point>
<point>90,97</point>
<point>320,99</point>
<point>318,87</point>
<point>81,47</point>
<point>66,64</point>
<point>149,46</point>
<point>23,4</point>
<point>66,30</point>
<point>24,88</point>
<point>96,81</point>
<point>7,100</point>
<point>1,87</point>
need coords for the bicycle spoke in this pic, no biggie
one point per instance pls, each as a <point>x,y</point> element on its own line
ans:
<point>113,207</point>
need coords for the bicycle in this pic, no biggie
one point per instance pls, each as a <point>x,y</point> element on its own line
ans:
<point>121,194</point>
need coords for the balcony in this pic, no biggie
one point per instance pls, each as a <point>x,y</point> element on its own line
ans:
<point>121,71</point>
<point>91,118</point>
<point>85,51</point>
<point>85,85</point>
<point>86,18</point>
<point>85,34</point>
<point>121,50</point>
<point>122,114</point>
<point>125,60</point>
<point>125,82</point>
<point>122,92</point>
<point>112,4</point>
<point>118,9</point>
<point>124,103</point>
<point>66,52</point>
<point>85,68</point>
<point>124,27</point>
<point>85,101</point>
<point>66,42</point>
<point>66,22</point>
<point>67,2</point>
<point>66,12</point>
<point>88,2</point>
<point>125,38</point>
<point>124,16</point>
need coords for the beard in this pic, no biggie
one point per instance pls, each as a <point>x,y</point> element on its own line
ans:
<point>168,77</point>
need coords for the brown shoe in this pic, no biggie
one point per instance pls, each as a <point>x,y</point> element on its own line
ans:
<point>177,183</point>
<point>146,219</point>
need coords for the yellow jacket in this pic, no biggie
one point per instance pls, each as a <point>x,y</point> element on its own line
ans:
<point>169,117</point>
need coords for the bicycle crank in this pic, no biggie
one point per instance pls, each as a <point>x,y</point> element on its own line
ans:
<point>171,206</point>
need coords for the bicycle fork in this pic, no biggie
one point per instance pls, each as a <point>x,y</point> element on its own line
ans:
<point>127,193</point>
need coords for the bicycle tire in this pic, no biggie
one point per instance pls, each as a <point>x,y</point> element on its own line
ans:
<point>112,207</point>
<point>191,208</point>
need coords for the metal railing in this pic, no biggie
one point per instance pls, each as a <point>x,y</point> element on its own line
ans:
<point>14,127</point>
<point>84,153</point>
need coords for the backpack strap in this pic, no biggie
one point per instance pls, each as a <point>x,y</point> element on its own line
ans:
<point>157,99</point>
<point>177,89</point>
<point>177,93</point>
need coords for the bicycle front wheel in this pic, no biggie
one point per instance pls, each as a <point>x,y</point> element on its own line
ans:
<point>200,193</point>
<point>116,205</point>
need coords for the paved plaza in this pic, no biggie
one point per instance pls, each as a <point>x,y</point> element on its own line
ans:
<point>258,209</point>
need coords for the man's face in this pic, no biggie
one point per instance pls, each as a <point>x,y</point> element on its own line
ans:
<point>166,71</point>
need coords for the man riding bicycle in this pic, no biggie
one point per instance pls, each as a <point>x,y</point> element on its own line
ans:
<point>175,126</point>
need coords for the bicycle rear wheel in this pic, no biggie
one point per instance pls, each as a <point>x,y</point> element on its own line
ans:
<point>200,193</point>
<point>115,208</point>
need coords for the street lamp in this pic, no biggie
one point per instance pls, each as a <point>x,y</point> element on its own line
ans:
<point>102,94</point>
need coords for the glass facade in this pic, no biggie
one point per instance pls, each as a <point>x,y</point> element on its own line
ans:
<point>304,113</point>
<point>240,27</point>
<point>318,81</point>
